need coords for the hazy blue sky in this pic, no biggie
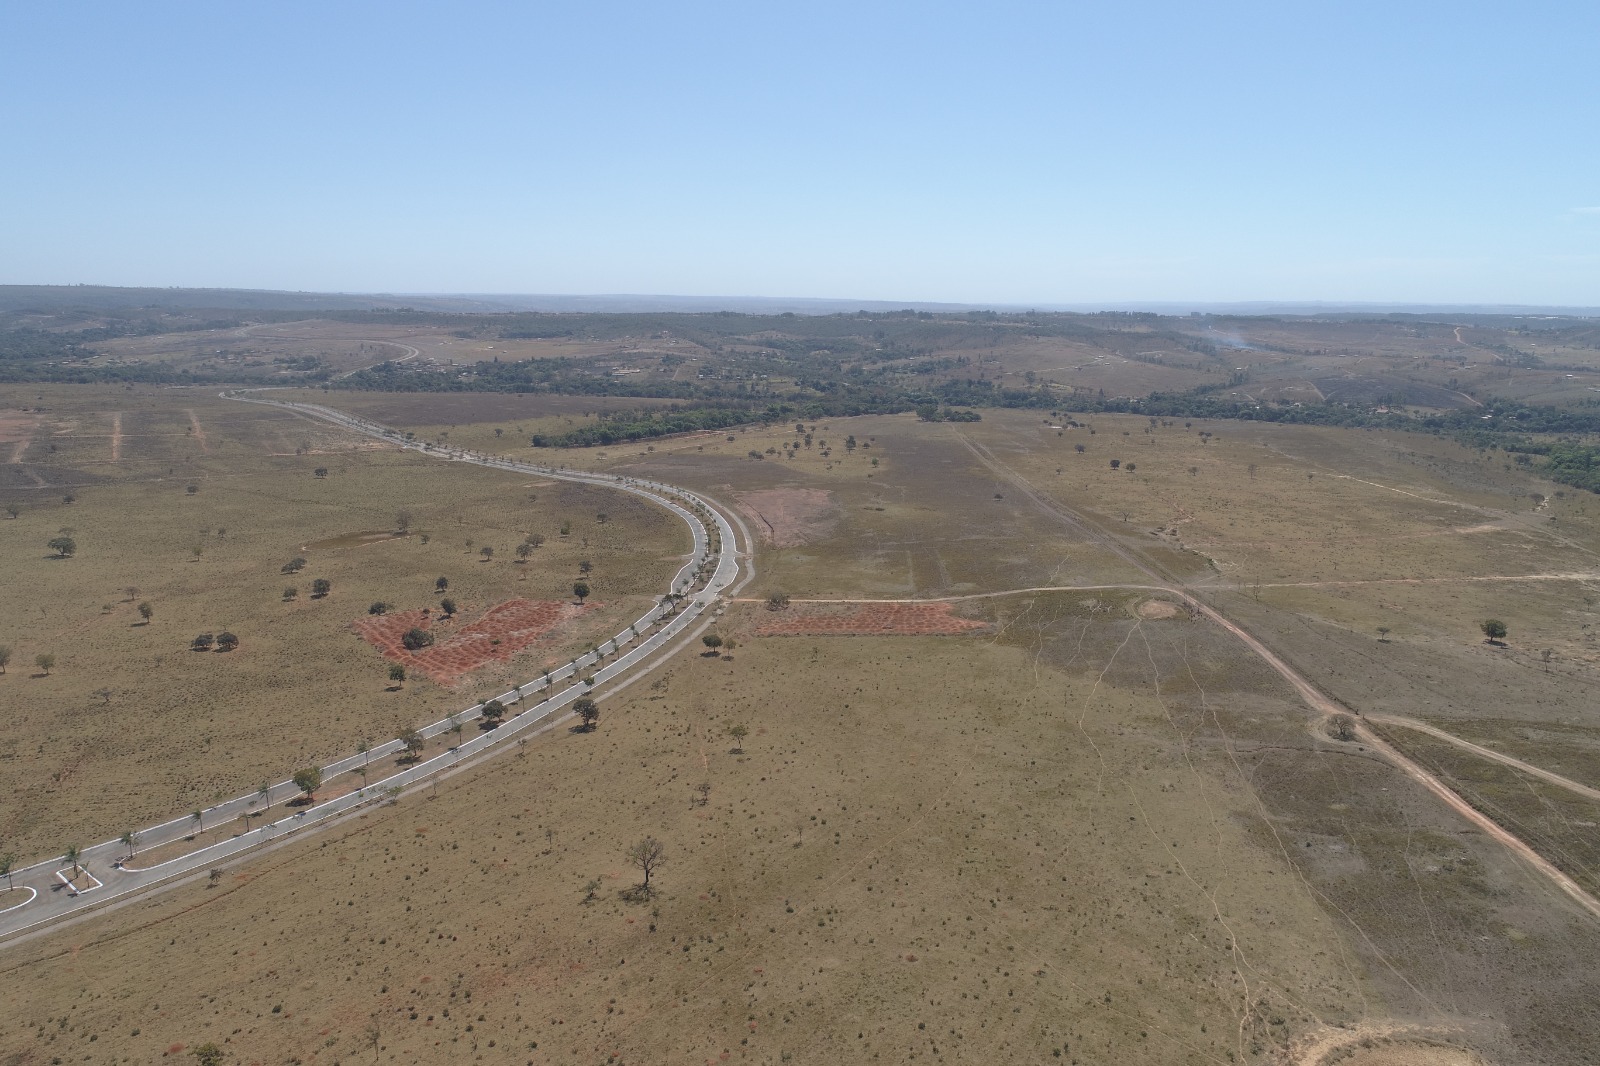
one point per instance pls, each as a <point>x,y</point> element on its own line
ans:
<point>1045,152</point>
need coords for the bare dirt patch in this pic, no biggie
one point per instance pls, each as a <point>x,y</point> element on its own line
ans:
<point>496,636</point>
<point>357,539</point>
<point>788,518</point>
<point>1158,609</point>
<point>870,620</point>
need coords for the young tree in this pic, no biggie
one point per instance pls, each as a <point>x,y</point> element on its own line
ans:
<point>588,712</point>
<point>7,862</point>
<point>581,590</point>
<point>1494,630</point>
<point>523,551</point>
<point>320,588</point>
<point>494,712</point>
<point>712,641</point>
<point>402,521</point>
<point>320,472</point>
<point>602,518</point>
<point>227,641</point>
<point>146,611</point>
<point>130,840</point>
<point>130,591</point>
<point>412,741</point>
<point>585,567</point>
<point>5,657</point>
<point>441,584</point>
<point>738,733</point>
<point>308,781</point>
<point>290,592</point>
<point>64,547</point>
<point>45,661</point>
<point>397,674</point>
<point>448,606</point>
<point>202,642</point>
<point>649,855</point>
<point>72,855</point>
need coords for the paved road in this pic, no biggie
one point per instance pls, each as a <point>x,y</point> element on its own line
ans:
<point>713,567</point>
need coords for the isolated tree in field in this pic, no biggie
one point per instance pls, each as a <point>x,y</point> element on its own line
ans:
<point>649,855</point>
<point>441,584</point>
<point>378,608</point>
<point>1494,630</point>
<point>580,590</point>
<point>72,855</point>
<point>704,789</point>
<point>1383,634</point>
<point>131,591</point>
<point>12,510</point>
<point>585,567</point>
<point>64,547</point>
<point>588,712</point>
<point>1115,463</point>
<point>402,521</point>
<point>308,781</point>
<point>45,661</point>
<point>320,472</point>
<point>494,712</point>
<point>227,641</point>
<point>397,674</point>
<point>290,592</point>
<point>1080,448</point>
<point>293,566</point>
<point>712,641</point>
<point>320,588</point>
<point>1342,727</point>
<point>738,732</point>
<point>1252,471</point>
<point>146,611</point>
<point>487,552</point>
<point>602,518</point>
<point>202,642</point>
<point>415,639</point>
<point>412,740</point>
<point>5,657</point>
<point>523,551</point>
<point>535,540</point>
<point>448,606</point>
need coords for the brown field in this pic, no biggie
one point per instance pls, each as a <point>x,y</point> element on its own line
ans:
<point>132,727</point>
<point>1104,833</point>
<point>497,636</point>
<point>870,619</point>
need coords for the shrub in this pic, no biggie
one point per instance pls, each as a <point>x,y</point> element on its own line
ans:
<point>416,639</point>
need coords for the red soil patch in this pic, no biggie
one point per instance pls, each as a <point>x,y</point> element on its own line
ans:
<point>869,620</point>
<point>516,624</point>
<point>787,518</point>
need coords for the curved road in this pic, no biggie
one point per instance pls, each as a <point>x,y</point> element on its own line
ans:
<point>713,568</point>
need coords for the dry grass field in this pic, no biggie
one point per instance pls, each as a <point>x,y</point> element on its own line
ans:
<point>130,726</point>
<point>1092,829</point>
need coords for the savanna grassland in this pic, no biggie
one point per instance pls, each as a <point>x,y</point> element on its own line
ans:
<point>1094,828</point>
<point>130,725</point>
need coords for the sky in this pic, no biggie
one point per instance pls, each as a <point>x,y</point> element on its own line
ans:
<point>1016,153</point>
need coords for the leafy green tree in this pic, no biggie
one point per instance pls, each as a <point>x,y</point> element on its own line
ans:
<point>487,551</point>
<point>397,674</point>
<point>416,638</point>
<point>146,611</point>
<point>523,551</point>
<point>448,606</point>
<point>441,584</point>
<point>227,641</point>
<point>738,732</point>
<point>290,592</point>
<point>45,661</point>
<point>1494,630</point>
<point>712,641</point>
<point>321,587</point>
<point>308,781</point>
<point>588,712</point>
<point>203,642</point>
<point>585,567</point>
<point>64,547</point>
<point>581,590</point>
<point>412,740</point>
<point>494,712</point>
<point>293,566</point>
<point>8,862</point>
<point>130,840</point>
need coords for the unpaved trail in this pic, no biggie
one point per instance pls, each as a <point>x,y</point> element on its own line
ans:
<point>198,431</point>
<point>1308,692</point>
<point>1488,753</point>
<point>116,436</point>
